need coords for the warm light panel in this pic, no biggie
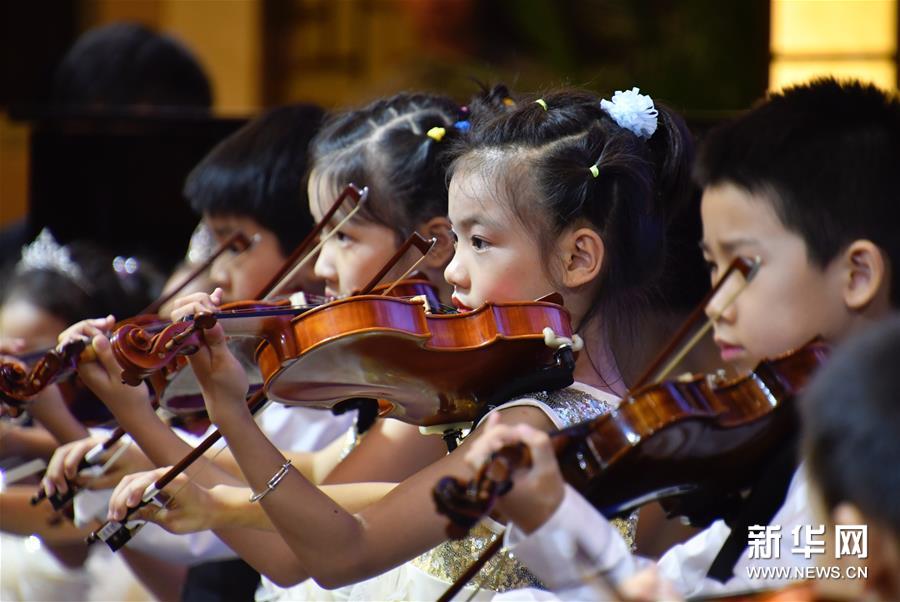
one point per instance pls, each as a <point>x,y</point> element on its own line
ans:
<point>842,38</point>
<point>834,26</point>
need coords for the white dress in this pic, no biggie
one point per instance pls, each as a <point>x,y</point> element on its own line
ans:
<point>428,576</point>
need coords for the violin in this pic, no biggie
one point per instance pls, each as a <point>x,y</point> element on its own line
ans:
<point>158,355</point>
<point>116,534</point>
<point>696,438</point>
<point>441,368</point>
<point>698,434</point>
<point>19,382</point>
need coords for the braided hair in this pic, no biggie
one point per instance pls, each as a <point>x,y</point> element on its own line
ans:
<point>397,147</point>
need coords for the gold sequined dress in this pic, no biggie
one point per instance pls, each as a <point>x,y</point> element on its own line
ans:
<point>429,575</point>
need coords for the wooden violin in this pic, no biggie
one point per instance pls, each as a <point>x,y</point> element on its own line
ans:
<point>668,439</point>
<point>424,368</point>
<point>19,381</point>
<point>158,355</point>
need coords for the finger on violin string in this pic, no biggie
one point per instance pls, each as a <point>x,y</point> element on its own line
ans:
<point>103,350</point>
<point>86,329</point>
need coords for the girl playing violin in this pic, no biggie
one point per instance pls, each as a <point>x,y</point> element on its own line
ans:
<point>51,286</point>
<point>806,182</point>
<point>388,143</point>
<point>560,194</point>
<point>253,182</point>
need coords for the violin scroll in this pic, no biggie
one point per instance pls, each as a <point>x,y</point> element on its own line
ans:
<point>18,384</point>
<point>141,354</point>
<point>465,504</point>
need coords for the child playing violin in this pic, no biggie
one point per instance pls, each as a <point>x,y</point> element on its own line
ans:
<point>51,286</point>
<point>386,142</point>
<point>252,182</point>
<point>562,183</point>
<point>805,182</point>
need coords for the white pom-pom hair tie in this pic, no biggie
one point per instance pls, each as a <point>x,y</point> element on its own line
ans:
<point>633,111</point>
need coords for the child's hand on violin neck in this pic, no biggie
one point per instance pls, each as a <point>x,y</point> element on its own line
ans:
<point>196,303</point>
<point>538,490</point>
<point>222,378</point>
<point>86,330</point>
<point>104,376</point>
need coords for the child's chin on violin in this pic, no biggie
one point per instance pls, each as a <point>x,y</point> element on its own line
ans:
<point>826,245</point>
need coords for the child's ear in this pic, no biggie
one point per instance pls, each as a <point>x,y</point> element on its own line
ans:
<point>582,253</point>
<point>442,253</point>
<point>866,274</point>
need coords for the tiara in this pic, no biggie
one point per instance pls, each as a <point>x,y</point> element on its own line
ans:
<point>47,254</point>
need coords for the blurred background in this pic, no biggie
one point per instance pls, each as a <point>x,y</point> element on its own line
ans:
<point>707,58</point>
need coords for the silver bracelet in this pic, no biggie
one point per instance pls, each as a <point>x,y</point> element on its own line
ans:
<point>273,482</point>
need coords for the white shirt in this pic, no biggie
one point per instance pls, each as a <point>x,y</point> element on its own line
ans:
<point>577,525</point>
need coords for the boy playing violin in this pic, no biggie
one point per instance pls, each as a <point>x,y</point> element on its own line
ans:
<point>806,182</point>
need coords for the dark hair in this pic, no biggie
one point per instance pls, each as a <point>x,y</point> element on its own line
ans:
<point>386,147</point>
<point>851,421</point>
<point>260,172</point>
<point>551,151</point>
<point>127,64</point>
<point>101,291</point>
<point>825,154</point>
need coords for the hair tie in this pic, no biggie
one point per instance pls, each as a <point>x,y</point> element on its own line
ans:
<point>436,133</point>
<point>542,102</point>
<point>633,111</point>
<point>508,102</point>
<point>594,169</point>
<point>462,125</point>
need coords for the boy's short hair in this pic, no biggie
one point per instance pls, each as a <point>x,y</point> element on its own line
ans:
<point>851,424</point>
<point>260,172</point>
<point>826,155</point>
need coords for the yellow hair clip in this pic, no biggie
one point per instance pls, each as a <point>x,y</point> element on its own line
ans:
<point>436,133</point>
<point>542,102</point>
<point>595,171</point>
<point>509,102</point>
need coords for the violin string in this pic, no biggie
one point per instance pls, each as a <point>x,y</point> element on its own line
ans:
<point>313,252</point>
<point>410,270</point>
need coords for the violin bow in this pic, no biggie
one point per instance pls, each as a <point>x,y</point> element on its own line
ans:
<point>414,240</point>
<point>657,371</point>
<point>117,533</point>
<point>237,242</point>
<point>748,267</point>
<point>294,264</point>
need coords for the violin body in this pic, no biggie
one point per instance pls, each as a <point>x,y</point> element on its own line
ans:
<point>696,436</point>
<point>425,369</point>
<point>688,436</point>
